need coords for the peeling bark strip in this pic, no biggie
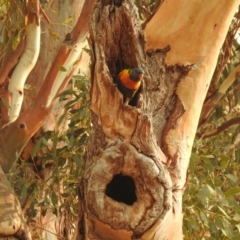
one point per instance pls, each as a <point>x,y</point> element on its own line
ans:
<point>127,186</point>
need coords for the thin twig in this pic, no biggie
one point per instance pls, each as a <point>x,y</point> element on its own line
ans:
<point>212,102</point>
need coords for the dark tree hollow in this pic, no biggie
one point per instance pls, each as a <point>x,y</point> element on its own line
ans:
<point>122,189</point>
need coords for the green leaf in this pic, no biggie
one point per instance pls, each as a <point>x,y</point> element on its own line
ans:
<point>33,208</point>
<point>224,163</point>
<point>235,238</point>
<point>227,230</point>
<point>71,141</point>
<point>68,20</point>
<point>24,191</point>
<point>212,227</point>
<point>186,232</point>
<point>61,161</point>
<point>203,217</point>
<point>223,157</point>
<point>223,212</point>
<point>62,69</point>
<point>54,35</point>
<point>195,157</point>
<point>82,113</point>
<point>83,139</point>
<point>16,39</point>
<point>232,178</point>
<point>70,104</point>
<point>37,146</point>
<point>219,222</point>
<point>5,103</point>
<point>54,198</point>
<point>66,93</point>
<point>27,86</point>
<point>208,166</point>
<point>209,189</point>
<point>60,119</point>
<point>87,50</point>
<point>77,161</point>
<point>232,191</point>
<point>79,131</point>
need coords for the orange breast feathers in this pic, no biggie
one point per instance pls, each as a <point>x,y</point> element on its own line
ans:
<point>126,81</point>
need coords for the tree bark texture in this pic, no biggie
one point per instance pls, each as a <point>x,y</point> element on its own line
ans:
<point>195,32</point>
<point>128,186</point>
<point>12,223</point>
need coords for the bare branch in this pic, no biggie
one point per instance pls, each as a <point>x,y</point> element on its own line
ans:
<point>44,14</point>
<point>81,27</point>
<point>226,51</point>
<point>221,128</point>
<point>212,102</point>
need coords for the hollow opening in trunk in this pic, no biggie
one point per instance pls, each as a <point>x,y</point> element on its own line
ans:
<point>122,189</point>
<point>133,101</point>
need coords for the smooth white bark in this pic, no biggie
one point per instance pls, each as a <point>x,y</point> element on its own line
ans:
<point>68,66</point>
<point>195,32</point>
<point>24,67</point>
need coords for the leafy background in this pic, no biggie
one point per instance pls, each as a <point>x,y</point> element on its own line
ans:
<point>49,179</point>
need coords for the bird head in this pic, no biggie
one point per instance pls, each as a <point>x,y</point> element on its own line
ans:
<point>136,74</point>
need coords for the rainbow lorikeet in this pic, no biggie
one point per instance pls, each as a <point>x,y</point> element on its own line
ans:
<point>128,82</point>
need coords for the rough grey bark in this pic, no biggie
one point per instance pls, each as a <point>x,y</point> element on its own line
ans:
<point>12,223</point>
<point>128,185</point>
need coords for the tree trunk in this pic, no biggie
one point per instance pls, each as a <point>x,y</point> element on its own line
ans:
<point>44,85</point>
<point>138,154</point>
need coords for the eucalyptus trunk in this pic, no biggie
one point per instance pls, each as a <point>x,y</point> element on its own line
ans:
<point>138,154</point>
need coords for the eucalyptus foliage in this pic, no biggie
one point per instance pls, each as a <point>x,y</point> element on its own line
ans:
<point>62,152</point>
